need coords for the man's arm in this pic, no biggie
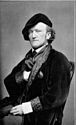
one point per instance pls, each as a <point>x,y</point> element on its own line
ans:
<point>57,87</point>
<point>57,90</point>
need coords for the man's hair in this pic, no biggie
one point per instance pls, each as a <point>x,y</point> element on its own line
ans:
<point>52,32</point>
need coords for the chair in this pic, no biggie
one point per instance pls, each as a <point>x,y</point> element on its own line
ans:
<point>72,68</point>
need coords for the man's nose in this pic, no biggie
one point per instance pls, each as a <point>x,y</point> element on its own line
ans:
<point>34,34</point>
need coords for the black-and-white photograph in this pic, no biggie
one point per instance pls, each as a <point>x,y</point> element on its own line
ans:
<point>37,62</point>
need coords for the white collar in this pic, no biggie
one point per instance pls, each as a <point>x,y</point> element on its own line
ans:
<point>38,50</point>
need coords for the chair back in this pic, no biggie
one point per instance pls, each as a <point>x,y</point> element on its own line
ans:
<point>72,68</point>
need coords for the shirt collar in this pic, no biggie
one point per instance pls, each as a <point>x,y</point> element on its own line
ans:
<point>38,50</point>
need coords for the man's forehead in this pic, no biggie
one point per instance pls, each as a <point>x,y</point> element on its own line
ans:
<point>39,25</point>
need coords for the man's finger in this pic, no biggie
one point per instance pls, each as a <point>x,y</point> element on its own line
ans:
<point>14,110</point>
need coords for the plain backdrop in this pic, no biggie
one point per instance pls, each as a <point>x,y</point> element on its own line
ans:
<point>13,47</point>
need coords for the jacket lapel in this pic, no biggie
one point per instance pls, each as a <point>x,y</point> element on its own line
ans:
<point>38,61</point>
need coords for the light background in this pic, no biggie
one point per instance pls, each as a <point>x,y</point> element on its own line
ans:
<point>13,16</point>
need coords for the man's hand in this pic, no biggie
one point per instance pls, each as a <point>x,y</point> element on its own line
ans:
<point>17,110</point>
<point>24,108</point>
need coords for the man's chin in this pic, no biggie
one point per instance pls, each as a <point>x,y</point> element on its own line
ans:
<point>35,48</point>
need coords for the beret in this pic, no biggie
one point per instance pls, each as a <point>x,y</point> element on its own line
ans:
<point>33,21</point>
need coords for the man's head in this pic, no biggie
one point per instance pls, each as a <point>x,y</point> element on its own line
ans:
<point>38,30</point>
<point>38,35</point>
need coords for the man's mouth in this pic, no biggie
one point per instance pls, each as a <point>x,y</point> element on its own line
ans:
<point>35,40</point>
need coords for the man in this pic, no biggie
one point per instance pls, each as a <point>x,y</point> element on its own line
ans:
<point>40,82</point>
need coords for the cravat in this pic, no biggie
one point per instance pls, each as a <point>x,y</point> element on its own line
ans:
<point>34,53</point>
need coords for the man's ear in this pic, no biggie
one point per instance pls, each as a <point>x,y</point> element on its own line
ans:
<point>48,35</point>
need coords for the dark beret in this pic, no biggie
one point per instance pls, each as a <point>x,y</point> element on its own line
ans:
<point>33,21</point>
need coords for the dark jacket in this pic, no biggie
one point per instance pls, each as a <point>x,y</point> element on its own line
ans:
<point>48,91</point>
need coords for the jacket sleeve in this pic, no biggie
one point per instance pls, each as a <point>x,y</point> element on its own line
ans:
<point>14,89</point>
<point>57,86</point>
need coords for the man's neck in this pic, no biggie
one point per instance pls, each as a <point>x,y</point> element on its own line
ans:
<point>40,48</point>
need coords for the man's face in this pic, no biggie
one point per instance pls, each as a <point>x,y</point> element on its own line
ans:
<point>37,35</point>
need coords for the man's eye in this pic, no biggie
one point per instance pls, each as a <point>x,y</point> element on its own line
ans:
<point>30,31</point>
<point>38,31</point>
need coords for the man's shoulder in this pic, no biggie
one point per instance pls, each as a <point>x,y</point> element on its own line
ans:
<point>18,65</point>
<point>58,56</point>
<point>22,61</point>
